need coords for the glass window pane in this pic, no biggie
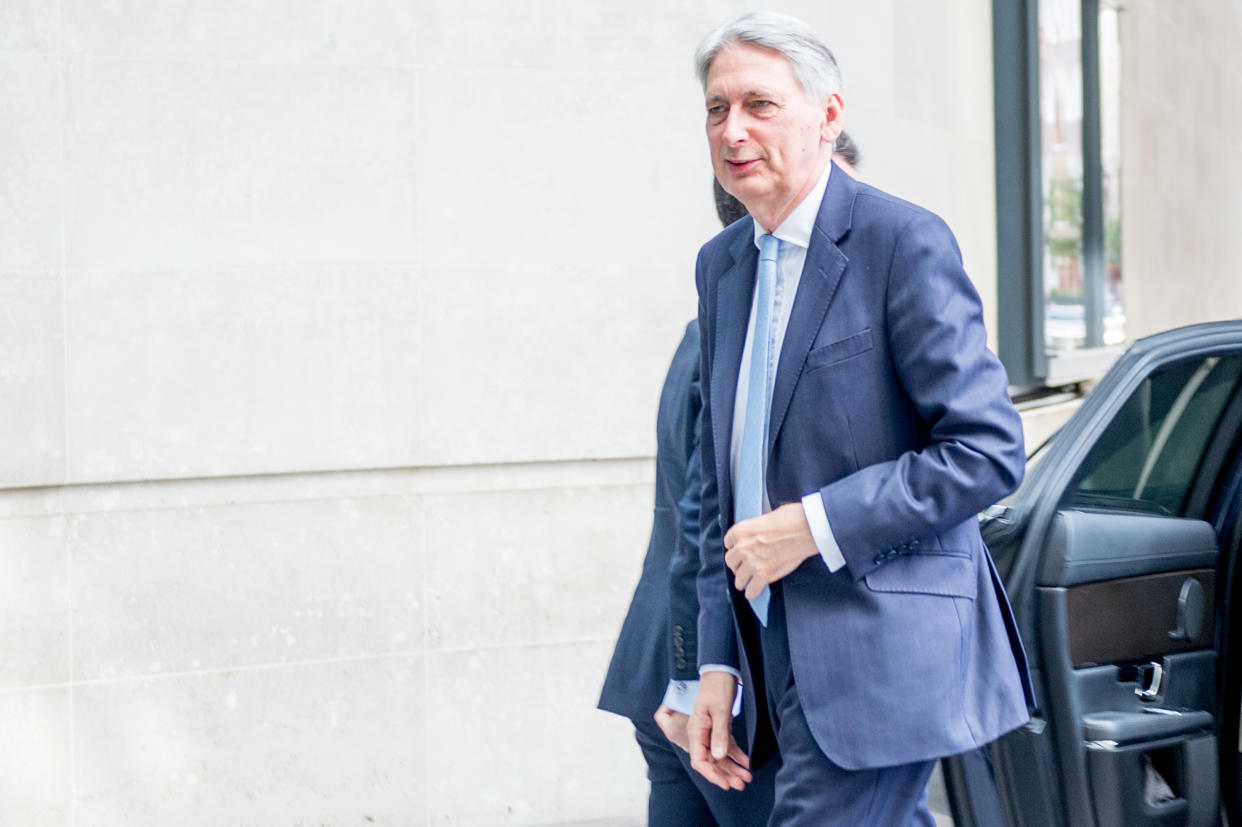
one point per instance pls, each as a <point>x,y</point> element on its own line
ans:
<point>1081,267</point>
<point>1061,113</point>
<point>1110,159</point>
<point>1147,457</point>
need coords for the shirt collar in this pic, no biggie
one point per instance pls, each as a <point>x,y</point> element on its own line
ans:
<point>798,225</point>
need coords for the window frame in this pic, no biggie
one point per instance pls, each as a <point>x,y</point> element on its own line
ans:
<point>1021,342</point>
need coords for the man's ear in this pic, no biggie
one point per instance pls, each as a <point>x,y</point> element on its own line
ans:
<point>834,118</point>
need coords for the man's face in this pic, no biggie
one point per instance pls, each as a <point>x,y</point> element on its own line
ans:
<point>769,144</point>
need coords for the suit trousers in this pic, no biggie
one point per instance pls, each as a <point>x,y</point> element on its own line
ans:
<point>681,797</point>
<point>811,790</point>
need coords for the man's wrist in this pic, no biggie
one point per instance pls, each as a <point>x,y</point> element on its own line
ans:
<point>709,668</point>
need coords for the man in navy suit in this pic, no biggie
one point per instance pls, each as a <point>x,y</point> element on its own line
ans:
<point>857,604</point>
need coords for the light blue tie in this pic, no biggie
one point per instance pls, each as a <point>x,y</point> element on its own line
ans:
<point>750,475</point>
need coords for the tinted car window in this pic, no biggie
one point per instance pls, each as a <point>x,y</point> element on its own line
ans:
<point>1147,457</point>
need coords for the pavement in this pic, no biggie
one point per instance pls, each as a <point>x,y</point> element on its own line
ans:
<point>937,800</point>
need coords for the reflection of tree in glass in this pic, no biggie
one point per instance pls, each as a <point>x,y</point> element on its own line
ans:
<point>1112,248</point>
<point>1063,237</point>
<point>1065,217</point>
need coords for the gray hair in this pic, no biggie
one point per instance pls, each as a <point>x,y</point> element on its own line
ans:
<point>813,64</point>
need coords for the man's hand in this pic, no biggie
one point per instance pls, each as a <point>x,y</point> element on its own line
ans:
<point>673,724</point>
<point>713,751</point>
<point>764,549</point>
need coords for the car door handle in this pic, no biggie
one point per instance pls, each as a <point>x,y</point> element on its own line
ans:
<point>1190,603</point>
<point>1150,677</point>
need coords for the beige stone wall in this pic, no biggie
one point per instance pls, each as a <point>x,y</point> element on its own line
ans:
<point>1183,163</point>
<point>330,339</point>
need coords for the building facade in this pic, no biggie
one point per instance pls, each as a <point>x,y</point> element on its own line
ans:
<point>332,334</point>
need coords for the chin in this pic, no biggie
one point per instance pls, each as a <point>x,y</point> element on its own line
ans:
<point>746,194</point>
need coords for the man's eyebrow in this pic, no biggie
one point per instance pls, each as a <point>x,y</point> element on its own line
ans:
<point>759,93</point>
<point>749,93</point>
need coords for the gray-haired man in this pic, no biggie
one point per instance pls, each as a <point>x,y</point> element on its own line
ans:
<point>854,423</point>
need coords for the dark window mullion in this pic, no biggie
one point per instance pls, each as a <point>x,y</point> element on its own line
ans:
<point>1092,179</point>
<point>1019,200</point>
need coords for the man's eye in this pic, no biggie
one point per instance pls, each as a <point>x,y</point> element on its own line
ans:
<point>761,104</point>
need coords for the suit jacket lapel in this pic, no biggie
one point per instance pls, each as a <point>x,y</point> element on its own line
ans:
<point>734,294</point>
<point>820,275</point>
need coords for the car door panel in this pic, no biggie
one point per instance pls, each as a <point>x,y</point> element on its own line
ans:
<point>1134,712</point>
<point>1112,560</point>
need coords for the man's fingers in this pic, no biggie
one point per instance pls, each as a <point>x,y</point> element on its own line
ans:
<point>720,736</point>
<point>727,770</point>
<point>711,738</point>
<point>746,575</point>
<point>708,770</point>
<point>701,760</point>
<point>738,757</point>
<point>699,732</point>
<point>740,581</point>
<point>737,777</point>
<point>735,773</point>
<point>725,773</point>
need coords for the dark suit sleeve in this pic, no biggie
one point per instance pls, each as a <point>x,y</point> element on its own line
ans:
<point>972,453</point>
<point>683,602</point>
<point>717,643</point>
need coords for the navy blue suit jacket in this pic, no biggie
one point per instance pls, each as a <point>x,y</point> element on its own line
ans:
<point>657,640</point>
<point>886,401</point>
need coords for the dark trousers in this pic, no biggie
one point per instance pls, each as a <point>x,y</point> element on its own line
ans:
<point>680,797</point>
<point>812,791</point>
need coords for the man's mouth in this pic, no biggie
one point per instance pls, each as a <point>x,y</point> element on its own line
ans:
<point>738,165</point>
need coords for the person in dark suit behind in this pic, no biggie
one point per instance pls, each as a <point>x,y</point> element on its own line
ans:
<point>854,424</point>
<point>654,667</point>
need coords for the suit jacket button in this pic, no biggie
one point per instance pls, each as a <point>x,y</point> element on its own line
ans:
<point>879,558</point>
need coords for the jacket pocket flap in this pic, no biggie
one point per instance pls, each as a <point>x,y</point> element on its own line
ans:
<point>839,350</point>
<point>951,575</point>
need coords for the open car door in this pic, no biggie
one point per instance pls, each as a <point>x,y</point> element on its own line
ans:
<point>1118,554</point>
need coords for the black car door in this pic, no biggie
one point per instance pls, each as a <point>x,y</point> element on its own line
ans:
<point>1118,554</point>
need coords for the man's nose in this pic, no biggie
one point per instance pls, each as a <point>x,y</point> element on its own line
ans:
<point>734,126</point>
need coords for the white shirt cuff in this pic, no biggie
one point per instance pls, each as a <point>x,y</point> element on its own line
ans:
<point>821,532</point>
<point>681,695</point>
<point>714,667</point>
